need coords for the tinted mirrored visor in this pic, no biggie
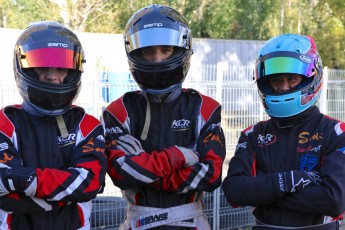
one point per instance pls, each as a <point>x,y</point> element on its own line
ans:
<point>296,64</point>
<point>156,36</point>
<point>51,57</point>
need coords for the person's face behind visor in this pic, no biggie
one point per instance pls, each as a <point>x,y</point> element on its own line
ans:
<point>51,74</point>
<point>283,83</point>
<point>157,53</point>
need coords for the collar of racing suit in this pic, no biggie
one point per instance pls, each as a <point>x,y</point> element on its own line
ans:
<point>59,119</point>
<point>156,98</point>
<point>31,110</point>
<point>283,123</point>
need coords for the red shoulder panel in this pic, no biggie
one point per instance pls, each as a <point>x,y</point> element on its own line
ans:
<point>6,126</point>
<point>88,124</point>
<point>208,106</point>
<point>118,109</point>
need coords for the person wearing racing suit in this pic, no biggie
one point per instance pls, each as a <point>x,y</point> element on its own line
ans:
<point>52,153</point>
<point>291,167</point>
<point>165,144</point>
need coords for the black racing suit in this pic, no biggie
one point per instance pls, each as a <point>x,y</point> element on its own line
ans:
<point>70,170</point>
<point>152,179</point>
<point>309,141</point>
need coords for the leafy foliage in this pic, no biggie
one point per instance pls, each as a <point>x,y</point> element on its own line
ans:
<point>19,13</point>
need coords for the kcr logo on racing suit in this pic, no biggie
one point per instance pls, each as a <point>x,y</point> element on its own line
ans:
<point>68,140</point>
<point>180,124</point>
<point>266,140</point>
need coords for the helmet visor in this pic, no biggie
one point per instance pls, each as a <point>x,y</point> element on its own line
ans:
<point>51,57</point>
<point>156,36</point>
<point>284,62</point>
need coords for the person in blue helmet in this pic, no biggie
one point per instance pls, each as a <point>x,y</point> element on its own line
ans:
<point>291,167</point>
<point>165,144</point>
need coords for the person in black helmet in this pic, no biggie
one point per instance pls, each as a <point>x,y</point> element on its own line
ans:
<point>165,144</point>
<point>291,167</point>
<point>52,153</point>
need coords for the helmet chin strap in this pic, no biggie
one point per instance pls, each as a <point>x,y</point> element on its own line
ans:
<point>143,135</point>
<point>160,97</point>
<point>62,126</point>
<point>156,98</point>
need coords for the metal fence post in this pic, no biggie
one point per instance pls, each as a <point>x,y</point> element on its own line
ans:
<point>216,208</point>
<point>323,96</point>
<point>219,98</point>
<point>219,81</point>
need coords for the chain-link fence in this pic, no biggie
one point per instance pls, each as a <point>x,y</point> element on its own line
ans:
<point>233,87</point>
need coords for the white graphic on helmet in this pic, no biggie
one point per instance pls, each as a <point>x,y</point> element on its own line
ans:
<point>156,24</point>
<point>56,44</point>
<point>305,58</point>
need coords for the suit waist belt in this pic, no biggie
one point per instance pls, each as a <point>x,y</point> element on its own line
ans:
<point>142,217</point>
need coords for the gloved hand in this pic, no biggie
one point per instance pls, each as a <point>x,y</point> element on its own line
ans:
<point>292,181</point>
<point>190,155</point>
<point>20,180</point>
<point>129,144</point>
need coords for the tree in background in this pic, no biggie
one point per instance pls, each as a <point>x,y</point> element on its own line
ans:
<point>19,13</point>
<point>330,32</point>
<point>218,19</point>
<point>253,19</point>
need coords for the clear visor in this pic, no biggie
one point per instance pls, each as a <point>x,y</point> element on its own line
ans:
<point>51,57</point>
<point>156,36</point>
<point>294,63</point>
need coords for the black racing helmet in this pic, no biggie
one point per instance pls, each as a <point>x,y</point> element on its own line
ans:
<point>48,44</point>
<point>158,25</point>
